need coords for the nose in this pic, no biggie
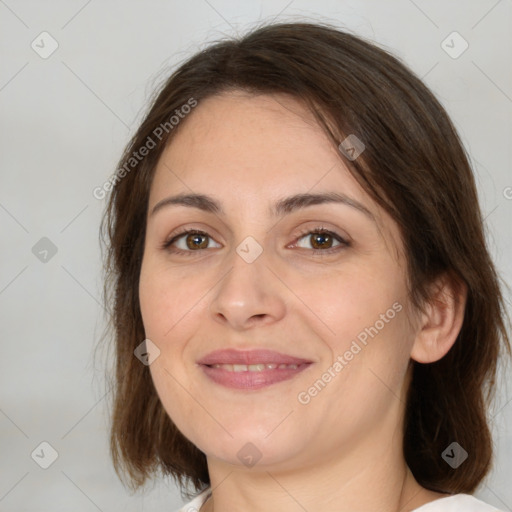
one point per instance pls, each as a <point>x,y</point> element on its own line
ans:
<point>249,295</point>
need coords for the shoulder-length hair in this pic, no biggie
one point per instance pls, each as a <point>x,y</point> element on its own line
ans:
<point>415,167</point>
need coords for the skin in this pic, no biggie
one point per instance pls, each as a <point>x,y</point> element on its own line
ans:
<point>342,451</point>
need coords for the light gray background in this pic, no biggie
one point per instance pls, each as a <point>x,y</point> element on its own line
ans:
<point>64,121</point>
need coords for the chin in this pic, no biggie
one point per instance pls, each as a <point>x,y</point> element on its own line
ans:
<point>253,448</point>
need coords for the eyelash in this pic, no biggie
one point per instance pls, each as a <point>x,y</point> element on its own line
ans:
<point>167,245</point>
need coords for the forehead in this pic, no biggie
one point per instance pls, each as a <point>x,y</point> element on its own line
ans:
<point>265,144</point>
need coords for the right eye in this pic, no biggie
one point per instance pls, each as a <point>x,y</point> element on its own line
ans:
<point>188,241</point>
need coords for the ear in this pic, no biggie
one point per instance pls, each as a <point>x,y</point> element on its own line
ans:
<point>441,320</point>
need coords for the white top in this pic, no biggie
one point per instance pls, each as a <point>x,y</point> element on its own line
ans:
<point>454,503</point>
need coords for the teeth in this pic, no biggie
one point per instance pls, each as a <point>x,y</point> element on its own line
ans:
<point>254,367</point>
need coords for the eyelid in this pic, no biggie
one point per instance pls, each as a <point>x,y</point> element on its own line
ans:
<point>186,229</point>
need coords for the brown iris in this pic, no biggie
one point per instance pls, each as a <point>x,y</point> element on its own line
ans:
<point>197,241</point>
<point>321,240</point>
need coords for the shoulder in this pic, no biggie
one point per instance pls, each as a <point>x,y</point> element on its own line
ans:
<point>457,503</point>
<point>196,503</point>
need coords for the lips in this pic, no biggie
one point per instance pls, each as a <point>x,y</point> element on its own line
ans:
<point>250,357</point>
<point>251,369</point>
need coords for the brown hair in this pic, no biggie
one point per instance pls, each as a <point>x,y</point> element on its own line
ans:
<point>414,166</point>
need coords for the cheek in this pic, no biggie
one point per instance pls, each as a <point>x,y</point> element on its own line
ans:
<point>369,358</point>
<point>172,307</point>
<point>365,312</point>
<point>167,300</point>
<point>354,299</point>
<point>168,305</point>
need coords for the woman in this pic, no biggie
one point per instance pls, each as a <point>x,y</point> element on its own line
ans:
<point>306,314</point>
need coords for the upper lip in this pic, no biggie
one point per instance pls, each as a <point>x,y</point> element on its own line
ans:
<point>247,357</point>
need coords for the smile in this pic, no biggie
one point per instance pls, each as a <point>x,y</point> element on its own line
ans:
<point>254,367</point>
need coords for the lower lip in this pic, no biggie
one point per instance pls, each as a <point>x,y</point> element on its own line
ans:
<point>251,380</point>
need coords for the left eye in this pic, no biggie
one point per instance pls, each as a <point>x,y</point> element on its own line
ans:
<point>320,240</point>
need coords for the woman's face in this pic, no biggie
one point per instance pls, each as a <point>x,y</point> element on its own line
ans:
<point>260,278</point>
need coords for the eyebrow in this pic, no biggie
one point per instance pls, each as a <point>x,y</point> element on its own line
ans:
<point>282,207</point>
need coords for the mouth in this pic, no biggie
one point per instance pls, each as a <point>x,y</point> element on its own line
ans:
<point>251,369</point>
<point>255,367</point>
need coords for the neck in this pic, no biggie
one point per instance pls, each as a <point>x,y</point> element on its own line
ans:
<point>374,479</point>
